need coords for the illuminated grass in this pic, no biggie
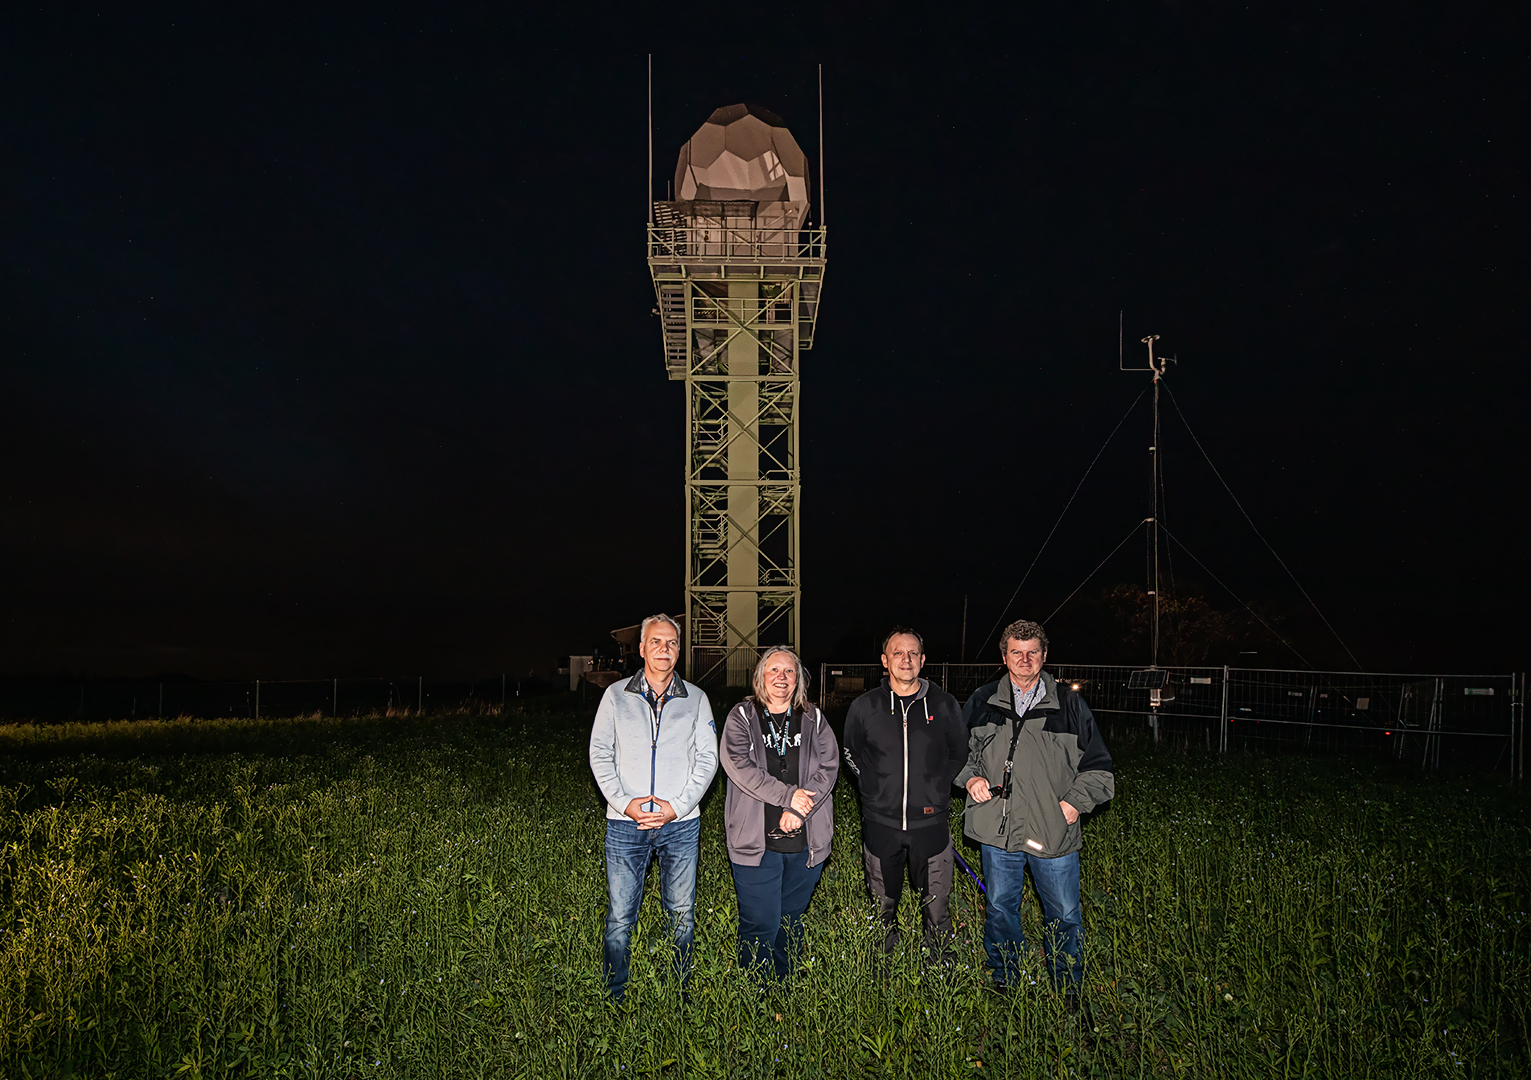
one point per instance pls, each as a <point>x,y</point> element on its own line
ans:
<point>407,898</point>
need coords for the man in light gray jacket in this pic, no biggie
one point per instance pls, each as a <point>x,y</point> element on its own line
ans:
<point>654,751</point>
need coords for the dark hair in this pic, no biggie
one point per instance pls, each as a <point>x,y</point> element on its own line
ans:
<point>1022,630</point>
<point>897,630</point>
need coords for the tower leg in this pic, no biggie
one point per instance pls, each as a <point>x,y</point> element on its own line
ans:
<point>743,499</point>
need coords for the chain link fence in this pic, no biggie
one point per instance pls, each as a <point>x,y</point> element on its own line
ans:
<point>1465,722</point>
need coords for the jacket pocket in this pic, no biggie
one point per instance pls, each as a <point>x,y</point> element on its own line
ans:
<point>981,821</point>
<point>743,823</point>
<point>1055,835</point>
<point>821,830</point>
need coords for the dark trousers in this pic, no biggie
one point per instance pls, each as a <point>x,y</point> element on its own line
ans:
<point>926,856</point>
<point>772,899</point>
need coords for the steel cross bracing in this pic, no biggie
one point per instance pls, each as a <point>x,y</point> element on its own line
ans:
<point>738,306</point>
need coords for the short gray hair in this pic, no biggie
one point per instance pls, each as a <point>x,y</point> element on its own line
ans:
<point>643,631</point>
<point>1022,630</point>
<point>800,697</point>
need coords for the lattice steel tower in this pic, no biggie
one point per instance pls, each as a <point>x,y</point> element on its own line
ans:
<point>737,272</point>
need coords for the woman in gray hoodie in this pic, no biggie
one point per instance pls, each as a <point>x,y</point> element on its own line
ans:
<point>782,761</point>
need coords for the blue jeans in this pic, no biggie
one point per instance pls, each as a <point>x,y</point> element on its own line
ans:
<point>772,899</point>
<point>1057,885</point>
<point>629,850</point>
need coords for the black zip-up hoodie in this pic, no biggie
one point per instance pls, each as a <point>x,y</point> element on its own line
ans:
<point>904,760</point>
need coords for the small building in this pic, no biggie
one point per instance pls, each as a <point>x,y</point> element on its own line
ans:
<point>576,667</point>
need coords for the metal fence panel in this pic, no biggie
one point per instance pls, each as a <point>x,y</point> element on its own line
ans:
<point>1431,721</point>
<point>44,700</point>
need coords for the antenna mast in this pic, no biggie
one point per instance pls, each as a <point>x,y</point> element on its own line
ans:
<point>823,218</point>
<point>650,199</point>
<point>1156,365</point>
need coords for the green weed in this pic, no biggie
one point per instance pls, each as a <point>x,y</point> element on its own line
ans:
<point>407,897</point>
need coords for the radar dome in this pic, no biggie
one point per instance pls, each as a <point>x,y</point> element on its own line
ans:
<point>744,153</point>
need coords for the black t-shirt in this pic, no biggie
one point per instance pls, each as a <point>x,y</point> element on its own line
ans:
<point>906,704</point>
<point>782,733</point>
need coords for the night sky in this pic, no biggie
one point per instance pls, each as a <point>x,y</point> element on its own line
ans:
<point>326,345</point>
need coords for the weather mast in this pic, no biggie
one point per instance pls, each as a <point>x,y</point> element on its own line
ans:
<point>737,269</point>
<point>1153,678</point>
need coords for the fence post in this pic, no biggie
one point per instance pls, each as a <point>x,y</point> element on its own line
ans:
<point>257,699</point>
<point>420,696</point>
<point>823,685</point>
<point>1222,727</point>
<point>1517,723</point>
<point>335,701</point>
<point>1432,723</point>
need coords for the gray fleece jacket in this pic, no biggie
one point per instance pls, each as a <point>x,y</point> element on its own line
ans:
<point>669,751</point>
<point>751,788</point>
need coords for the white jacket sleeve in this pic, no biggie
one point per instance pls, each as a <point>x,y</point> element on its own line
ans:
<point>705,738</point>
<point>603,756</point>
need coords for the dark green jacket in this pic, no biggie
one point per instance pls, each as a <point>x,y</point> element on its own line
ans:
<point>1059,756</point>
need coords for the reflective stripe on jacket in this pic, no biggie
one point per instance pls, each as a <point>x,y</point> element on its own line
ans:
<point>1059,757</point>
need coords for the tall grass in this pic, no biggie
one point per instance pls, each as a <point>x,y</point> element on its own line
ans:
<point>423,898</point>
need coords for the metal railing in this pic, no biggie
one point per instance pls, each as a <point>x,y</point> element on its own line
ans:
<point>684,243</point>
<point>1433,721</point>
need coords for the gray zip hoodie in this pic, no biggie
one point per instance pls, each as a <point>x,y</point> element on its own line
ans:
<point>750,787</point>
<point>670,752</point>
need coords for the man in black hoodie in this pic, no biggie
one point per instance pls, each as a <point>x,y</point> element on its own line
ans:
<point>905,742</point>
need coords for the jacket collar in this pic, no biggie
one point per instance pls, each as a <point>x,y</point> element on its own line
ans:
<point>636,685</point>
<point>919,695</point>
<point>1004,694</point>
<point>756,708</point>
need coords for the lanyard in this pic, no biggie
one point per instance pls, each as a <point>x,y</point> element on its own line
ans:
<point>779,741</point>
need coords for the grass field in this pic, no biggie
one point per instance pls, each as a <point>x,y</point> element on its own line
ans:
<point>423,898</point>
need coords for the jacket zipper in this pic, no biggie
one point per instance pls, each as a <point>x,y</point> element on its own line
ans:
<point>801,763</point>
<point>654,748</point>
<point>906,769</point>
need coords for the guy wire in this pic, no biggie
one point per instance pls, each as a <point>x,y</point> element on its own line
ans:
<point>1235,596</point>
<point>1006,609</point>
<point>1092,573</point>
<point>1258,533</point>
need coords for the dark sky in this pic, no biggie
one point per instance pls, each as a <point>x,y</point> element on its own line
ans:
<point>326,342</point>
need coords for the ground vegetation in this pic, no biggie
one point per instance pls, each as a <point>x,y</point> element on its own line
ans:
<point>423,897</point>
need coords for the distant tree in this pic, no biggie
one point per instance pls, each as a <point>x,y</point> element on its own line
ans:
<point>1191,631</point>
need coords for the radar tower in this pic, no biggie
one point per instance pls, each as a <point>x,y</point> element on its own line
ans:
<point>737,271</point>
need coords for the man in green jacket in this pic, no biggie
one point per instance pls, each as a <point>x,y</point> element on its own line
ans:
<point>1036,761</point>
